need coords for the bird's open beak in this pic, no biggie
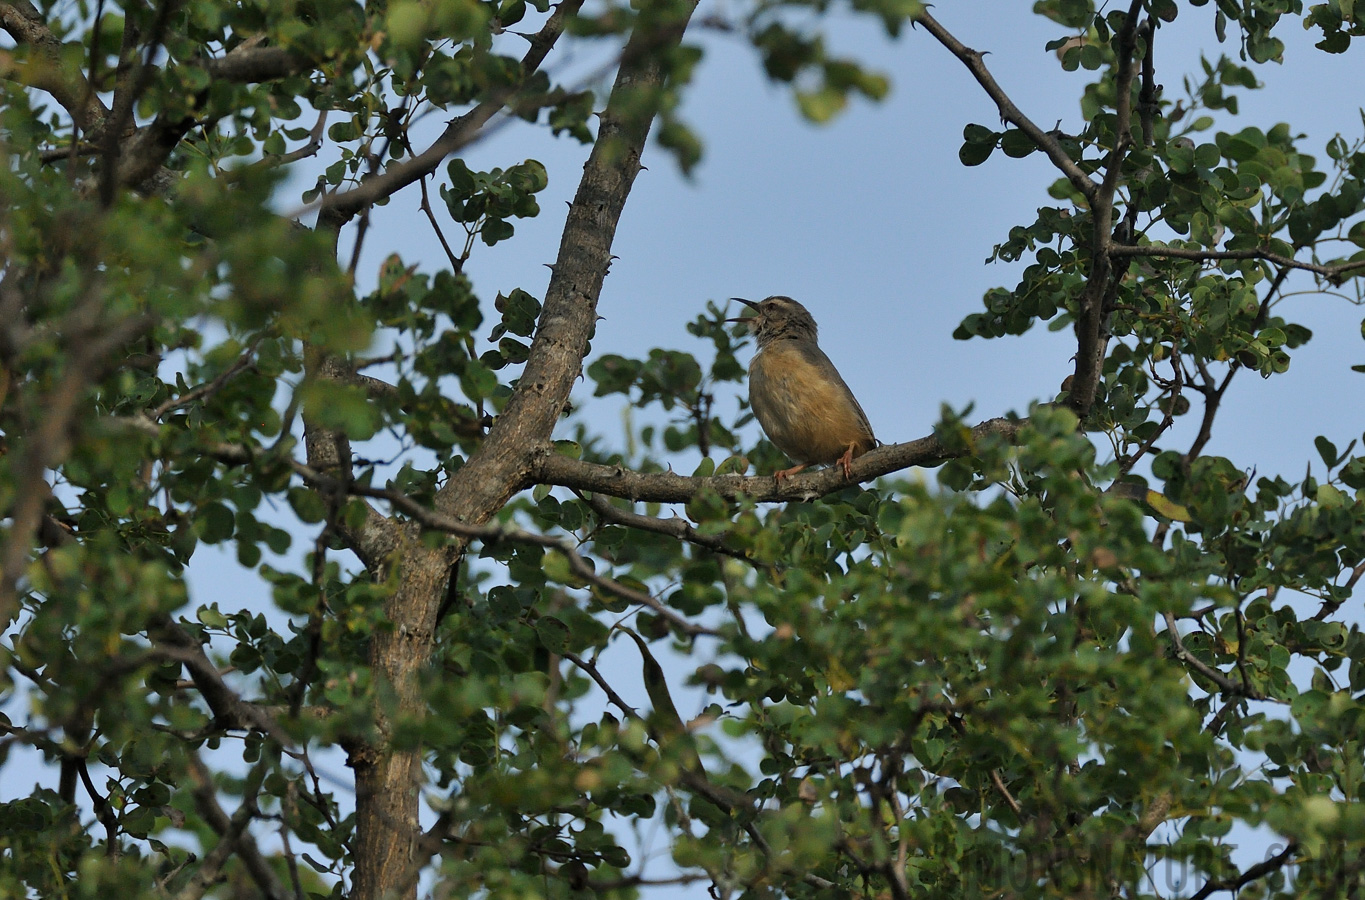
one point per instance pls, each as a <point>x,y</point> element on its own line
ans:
<point>749,303</point>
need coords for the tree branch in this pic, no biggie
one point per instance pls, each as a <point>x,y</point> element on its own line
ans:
<point>492,534</point>
<point>247,63</point>
<point>1091,333</point>
<point>667,487</point>
<point>175,643</point>
<point>328,450</point>
<point>210,388</point>
<point>1333,273</point>
<point>206,802</point>
<point>388,833</point>
<point>93,339</point>
<point>674,527</point>
<point>338,208</point>
<point>210,870</point>
<point>1224,683</point>
<point>46,70</point>
<point>1260,870</point>
<point>143,155</point>
<point>972,59</point>
<point>1213,398</point>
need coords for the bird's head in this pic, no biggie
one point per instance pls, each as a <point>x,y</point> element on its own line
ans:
<point>778,318</point>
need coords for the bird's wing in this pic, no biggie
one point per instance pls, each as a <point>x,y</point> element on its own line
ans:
<point>816,357</point>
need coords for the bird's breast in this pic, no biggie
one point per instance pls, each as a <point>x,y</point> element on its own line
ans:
<point>804,406</point>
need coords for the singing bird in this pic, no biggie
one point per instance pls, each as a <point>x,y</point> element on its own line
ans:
<point>805,408</point>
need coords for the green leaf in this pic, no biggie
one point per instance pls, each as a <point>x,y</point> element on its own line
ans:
<point>821,105</point>
<point>553,634</point>
<point>1327,450</point>
<point>307,505</point>
<point>978,144</point>
<point>214,523</point>
<point>211,617</point>
<point>1016,143</point>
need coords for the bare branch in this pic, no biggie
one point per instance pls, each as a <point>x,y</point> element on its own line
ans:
<point>150,146</point>
<point>456,263</point>
<point>493,534</point>
<point>1213,398</point>
<point>45,69</point>
<point>1260,870</point>
<point>211,869</point>
<point>376,387</point>
<point>174,643</point>
<point>248,62</point>
<point>1091,333</point>
<point>972,59</point>
<point>675,527</point>
<point>667,487</point>
<point>1167,420</point>
<point>590,667</point>
<point>329,450</point>
<point>212,387</point>
<point>206,802</point>
<point>145,153</point>
<point>1225,684</point>
<point>428,518</point>
<point>1005,792</point>
<point>1334,273</point>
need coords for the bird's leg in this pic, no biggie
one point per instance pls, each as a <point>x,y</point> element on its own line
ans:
<point>846,463</point>
<point>783,474</point>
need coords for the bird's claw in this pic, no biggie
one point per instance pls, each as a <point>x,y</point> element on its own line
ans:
<point>846,463</point>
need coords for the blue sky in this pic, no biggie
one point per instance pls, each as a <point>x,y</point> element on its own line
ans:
<point>874,224</point>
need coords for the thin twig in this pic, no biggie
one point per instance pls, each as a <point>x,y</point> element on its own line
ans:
<point>1213,397</point>
<point>1260,870</point>
<point>1005,792</point>
<point>1215,726</point>
<point>1333,274</point>
<point>1167,420</point>
<point>313,145</point>
<point>211,387</point>
<point>675,527</point>
<point>456,263</point>
<point>596,675</point>
<point>1225,684</point>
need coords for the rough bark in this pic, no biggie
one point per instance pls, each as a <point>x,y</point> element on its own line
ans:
<point>388,779</point>
<point>668,487</point>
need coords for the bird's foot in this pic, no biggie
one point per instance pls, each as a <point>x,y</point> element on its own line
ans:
<point>846,463</point>
<point>783,474</point>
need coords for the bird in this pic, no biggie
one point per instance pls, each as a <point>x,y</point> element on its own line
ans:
<point>797,395</point>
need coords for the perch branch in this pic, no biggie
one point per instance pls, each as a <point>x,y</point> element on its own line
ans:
<point>667,487</point>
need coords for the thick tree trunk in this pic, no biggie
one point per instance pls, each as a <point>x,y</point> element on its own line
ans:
<point>388,781</point>
<point>388,835</point>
